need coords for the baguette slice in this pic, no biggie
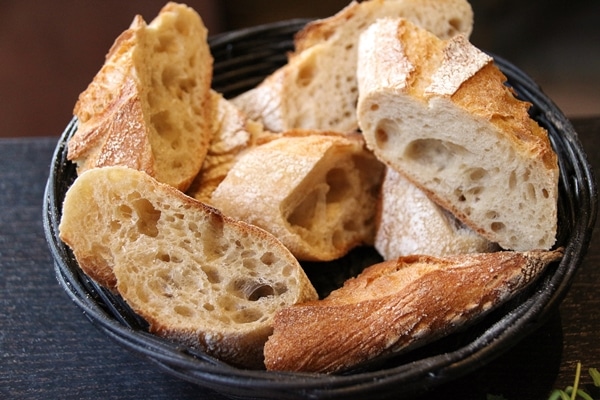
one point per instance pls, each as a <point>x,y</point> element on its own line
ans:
<point>315,192</point>
<point>233,133</point>
<point>439,112</point>
<point>317,88</point>
<point>196,276</point>
<point>410,223</point>
<point>148,106</point>
<point>397,305</point>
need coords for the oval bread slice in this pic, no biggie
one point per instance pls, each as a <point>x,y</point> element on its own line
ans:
<point>196,276</point>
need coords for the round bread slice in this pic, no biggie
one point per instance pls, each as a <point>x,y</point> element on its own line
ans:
<point>410,223</point>
<point>148,107</point>
<point>439,112</point>
<point>196,276</point>
<point>315,192</point>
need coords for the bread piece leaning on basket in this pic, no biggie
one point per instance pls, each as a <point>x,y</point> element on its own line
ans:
<point>149,107</point>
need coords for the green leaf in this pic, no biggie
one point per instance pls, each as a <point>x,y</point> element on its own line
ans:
<point>595,376</point>
<point>558,394</point>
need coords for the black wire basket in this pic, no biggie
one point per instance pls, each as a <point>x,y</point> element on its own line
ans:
<point>242,59</point>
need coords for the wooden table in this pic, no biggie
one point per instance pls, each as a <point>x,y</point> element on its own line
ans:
<point>49,350</point>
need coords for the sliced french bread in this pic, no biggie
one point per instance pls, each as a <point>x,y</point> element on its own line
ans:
<point>196,276</point>
<point>317,88</point>
<point>439,112</point>
<point>398,305</point>
<point>315,192</point>
<point>408,222</point>
<point>232,134</point>
<point>148,106</point>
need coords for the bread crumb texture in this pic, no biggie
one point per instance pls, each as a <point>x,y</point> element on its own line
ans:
<point>316,193</point>
<point>148,107</point>
<point>192,273</point>
<point>465,140</point>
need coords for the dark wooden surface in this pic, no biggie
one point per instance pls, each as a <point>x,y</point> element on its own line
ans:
<point>49,350</point>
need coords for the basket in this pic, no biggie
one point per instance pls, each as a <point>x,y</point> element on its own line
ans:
<point>242,59</point>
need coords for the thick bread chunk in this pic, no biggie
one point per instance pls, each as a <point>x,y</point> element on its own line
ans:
<point>148,107</point>
<point>397,305</point>
<point>439,112</point>
<point>315,192</point>
<point>317,88</point>
<point>232,134</point>
<point>196,276</point>
<point>410,223</point>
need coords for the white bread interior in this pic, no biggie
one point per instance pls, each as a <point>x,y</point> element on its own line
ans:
<point>196,276</point>
<point>438,112</point>
<point>409,222</point>
<point>317,88</point>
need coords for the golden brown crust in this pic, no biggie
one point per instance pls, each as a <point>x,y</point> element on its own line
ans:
<point>112,137</point>
<point>501,108</point>
<point>397,305</point>
<point>438,111</point>
<point>320,30</point>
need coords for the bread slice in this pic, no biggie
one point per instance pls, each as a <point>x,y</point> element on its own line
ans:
<point>440,113</point>
<point>315,192</point>
<point>317,88</point>
<point>232,134</point>
<point>196,276</point>
<point>398,305</point>
<point>148,106</point>
<point>410,223</point>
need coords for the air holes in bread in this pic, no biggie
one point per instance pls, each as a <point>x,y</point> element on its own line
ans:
<point>162,124</point>
<point>497,227</point>
<point>246,316</point>
<point>165,44</point>
<point>383,130</point>
<point>304,214</point>
<point>268,258</point>
<point>212,274</point>
<point>306,72</point>
<point>339,186</point>
<point>169,76</point>
<point>251,290</point>
<point>531,195</point>
<point>455,27</point>
<point>148,217</point>
<point>184,311</point>
<point>434,153</point>
<point>477,174</point>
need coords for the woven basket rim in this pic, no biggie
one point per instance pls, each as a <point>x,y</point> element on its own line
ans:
<point>577,213</point>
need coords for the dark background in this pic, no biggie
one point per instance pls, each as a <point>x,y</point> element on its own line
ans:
<point>50,50</point>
